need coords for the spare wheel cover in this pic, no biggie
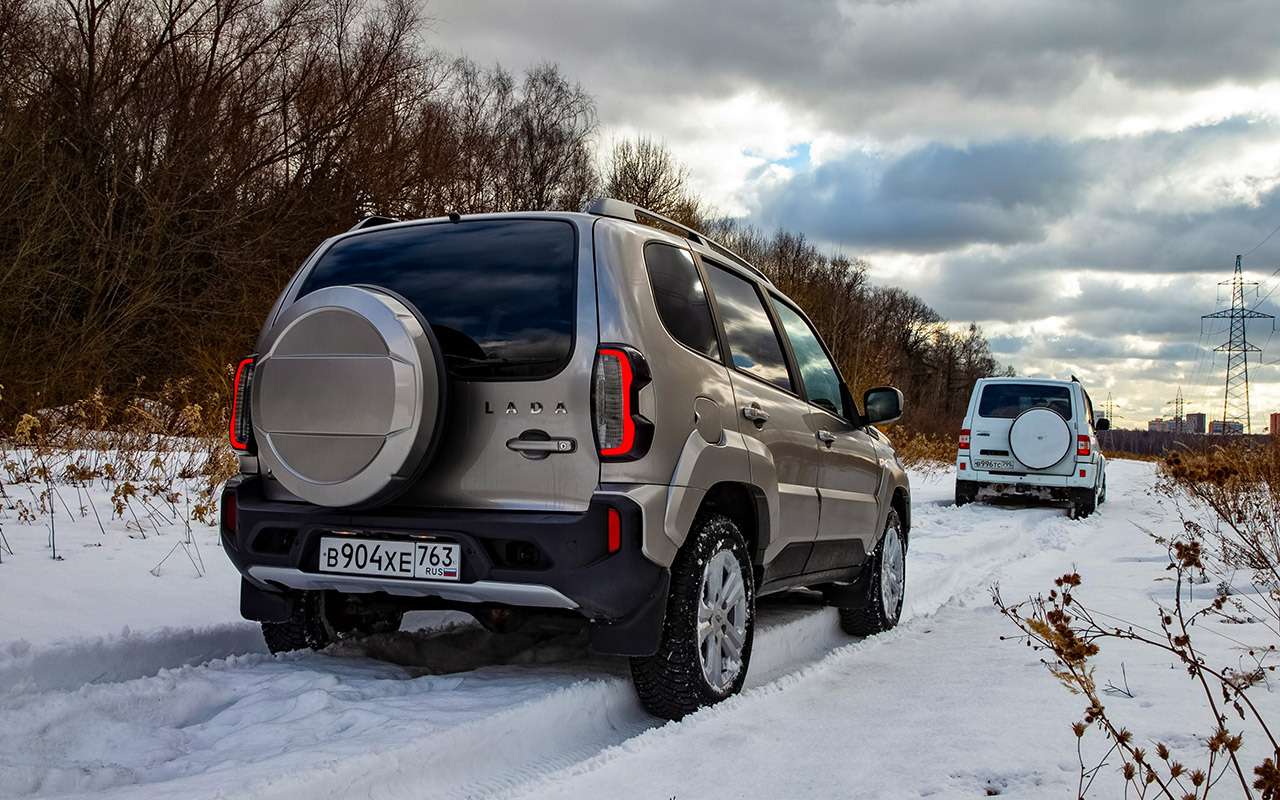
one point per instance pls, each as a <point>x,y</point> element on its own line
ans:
<point>1039,438</point>
<point>348,401</point>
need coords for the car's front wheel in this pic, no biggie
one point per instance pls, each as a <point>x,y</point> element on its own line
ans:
<point>321,618</point>
<point>710,623</point>
<point>883,607</point>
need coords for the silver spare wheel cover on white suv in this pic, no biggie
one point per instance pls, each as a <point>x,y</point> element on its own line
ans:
<point>1039,438</point>
<point>348,400</point>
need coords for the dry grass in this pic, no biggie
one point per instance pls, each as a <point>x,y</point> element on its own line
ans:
<point>924,452</point>
<point>1239,486</point>
<point>162,459</point>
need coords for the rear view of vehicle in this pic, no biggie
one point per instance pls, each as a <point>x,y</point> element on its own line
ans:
<point>418,427</point>
<point>1031,438</point>
<point>570,420</point>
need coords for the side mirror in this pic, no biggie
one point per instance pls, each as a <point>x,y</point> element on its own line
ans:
<point>882,404</point>
<point>1102,424</point>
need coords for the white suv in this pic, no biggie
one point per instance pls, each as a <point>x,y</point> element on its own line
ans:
<point>1031,437</point>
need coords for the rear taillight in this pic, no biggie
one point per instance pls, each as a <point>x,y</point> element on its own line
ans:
<point>964,439</point>
<point>622,434</point>
<point>1082,446</point>
<point>241,430</point>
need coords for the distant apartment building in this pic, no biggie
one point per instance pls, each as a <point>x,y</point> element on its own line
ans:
<point>1196,423</point>
<point>1157,425</point>
<point>1217,428</point>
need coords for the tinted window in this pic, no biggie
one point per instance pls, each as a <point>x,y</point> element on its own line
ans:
<point>753,344</point>
<point>498,293</point>
<point>817,373</point>
<point>681,297</point>
<point>1008,400</point>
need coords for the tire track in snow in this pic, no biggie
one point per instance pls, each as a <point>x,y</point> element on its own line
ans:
<point>552,724</point>
<point>964,550</point>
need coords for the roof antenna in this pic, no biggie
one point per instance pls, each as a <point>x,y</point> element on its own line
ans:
<point>454,216</point>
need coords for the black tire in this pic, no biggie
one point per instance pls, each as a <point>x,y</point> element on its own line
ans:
<point>671,683</point>
<point>321,618</point>
<point>966,492</point>
<point>1086,502</point>
<point>1102,496</point>
<point>872,616</point>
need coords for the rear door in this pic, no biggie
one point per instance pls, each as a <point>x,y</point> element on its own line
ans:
<point>849,480</point>
<point>512,303</point>
<point>770,411</point>
<point>998,405</point>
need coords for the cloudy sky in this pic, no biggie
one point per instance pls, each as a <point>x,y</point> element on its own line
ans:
<point>1074,176</point>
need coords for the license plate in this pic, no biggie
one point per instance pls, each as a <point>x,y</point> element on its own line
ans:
<point>427,561</point>
<point>988,464</point>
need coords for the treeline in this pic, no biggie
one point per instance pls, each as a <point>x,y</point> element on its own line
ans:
<point>165,167</point>
<point>1122,442</point>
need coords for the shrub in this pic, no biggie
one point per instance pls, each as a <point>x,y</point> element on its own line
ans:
<point>1239,487</point>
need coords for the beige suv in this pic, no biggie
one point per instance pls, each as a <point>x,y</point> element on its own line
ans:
<point>572,418</point>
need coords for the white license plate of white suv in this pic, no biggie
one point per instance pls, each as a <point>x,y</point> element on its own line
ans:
<point>991,464</point>
<point>427,561</point>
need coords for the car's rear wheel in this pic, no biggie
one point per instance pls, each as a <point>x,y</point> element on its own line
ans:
<point>883,607</point>
<point>321,618</point>
<point>966,492</point>
<point>1086,502</point>
<point>707,634</point>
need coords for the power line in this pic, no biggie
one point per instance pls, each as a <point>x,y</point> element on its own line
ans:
<point>1265,239</point>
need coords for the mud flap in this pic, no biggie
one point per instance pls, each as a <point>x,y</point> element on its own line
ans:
<point>853,595</point>
<point>638,633</point>
<point>260,605</point>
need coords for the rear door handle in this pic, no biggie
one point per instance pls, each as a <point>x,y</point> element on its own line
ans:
<point>542,445</point>
<point>756,414</point>
<point>826,437</point>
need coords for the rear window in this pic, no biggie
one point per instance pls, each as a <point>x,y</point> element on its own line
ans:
<point>1008,400</point>
<point>499,294</point>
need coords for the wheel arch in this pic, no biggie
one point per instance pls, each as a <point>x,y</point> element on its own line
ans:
<point>901,502</point>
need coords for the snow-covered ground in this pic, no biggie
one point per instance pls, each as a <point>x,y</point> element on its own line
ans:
<point>115,682</point>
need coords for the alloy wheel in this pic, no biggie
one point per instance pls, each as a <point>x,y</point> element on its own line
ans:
<point>722,620</point>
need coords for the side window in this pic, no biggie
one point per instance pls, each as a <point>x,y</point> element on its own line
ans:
<point>681,298</point>
<point>1088,405</point>
<point>819,375</point>
<point>753,343</point>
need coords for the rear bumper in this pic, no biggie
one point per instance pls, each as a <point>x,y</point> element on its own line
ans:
<point>523,559</point>
<point>1083,476</point>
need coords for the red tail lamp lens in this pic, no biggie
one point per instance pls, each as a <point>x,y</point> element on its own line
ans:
<point>964,438</point>
<point>615,423</point>
<point>241,432</point>
<point>1082,446</point>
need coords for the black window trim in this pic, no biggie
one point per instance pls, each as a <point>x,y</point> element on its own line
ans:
<point>715,320</point>
<point>1071,398</point>
<point>778,297</point>
<point>318,255</point>
<point>726,352</point>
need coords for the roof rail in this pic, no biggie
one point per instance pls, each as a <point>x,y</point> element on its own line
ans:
<point>371,221</point>
<point>619,209</point>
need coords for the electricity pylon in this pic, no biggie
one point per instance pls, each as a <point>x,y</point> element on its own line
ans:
<point>1235,397</point>
<point>1177,412</point>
